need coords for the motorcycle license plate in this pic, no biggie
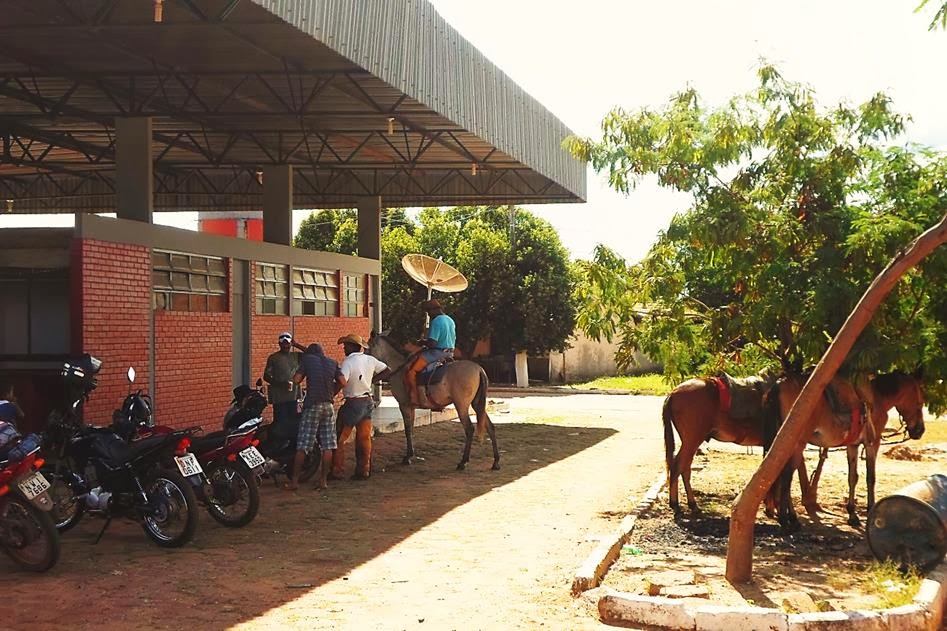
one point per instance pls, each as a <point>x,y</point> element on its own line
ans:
<point>188,465</point>
<point>33,485</point>
<point>252,457</point>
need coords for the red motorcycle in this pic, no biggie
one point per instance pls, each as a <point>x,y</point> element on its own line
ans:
<point>27,532</point>
<point>233,466</point>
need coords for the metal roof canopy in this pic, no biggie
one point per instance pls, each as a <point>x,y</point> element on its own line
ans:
<point>362,97</point>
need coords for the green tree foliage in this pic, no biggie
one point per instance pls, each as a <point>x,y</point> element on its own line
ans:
<point>520,292</point>
<point>940,16</point>
<point>794,211</point>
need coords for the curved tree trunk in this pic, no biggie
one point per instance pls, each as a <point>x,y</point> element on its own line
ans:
<point>797,425</point>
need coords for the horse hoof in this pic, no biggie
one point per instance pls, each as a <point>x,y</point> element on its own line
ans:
<point>461,466</point>
<point>407,460</point>
<point>496,466</point>
<point>854,521</point>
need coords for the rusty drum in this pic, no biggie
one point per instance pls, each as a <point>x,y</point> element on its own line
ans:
<point>910,527</point>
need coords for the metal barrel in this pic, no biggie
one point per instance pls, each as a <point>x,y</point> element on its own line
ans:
<point>910,527</point>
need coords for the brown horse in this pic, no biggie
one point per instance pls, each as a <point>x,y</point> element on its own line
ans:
<point>897,390</point>
<point>848,418</point>
<point>698,410</point>
<point>464,385</point>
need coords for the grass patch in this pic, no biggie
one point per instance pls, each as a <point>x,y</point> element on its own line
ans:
<point>638,384</point>
<point>892,585</point>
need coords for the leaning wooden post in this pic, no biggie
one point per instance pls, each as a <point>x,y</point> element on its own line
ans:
<point>797,424</point>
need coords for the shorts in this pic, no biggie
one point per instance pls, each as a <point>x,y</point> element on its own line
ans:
<point>317,425</point>
<point>353,411</point>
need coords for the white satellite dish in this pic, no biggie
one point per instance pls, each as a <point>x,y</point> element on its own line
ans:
<point>434,274</point>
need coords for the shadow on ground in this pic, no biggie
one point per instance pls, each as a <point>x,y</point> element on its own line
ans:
<point>299,541</point>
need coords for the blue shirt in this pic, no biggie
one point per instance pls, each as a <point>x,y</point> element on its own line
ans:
<point>321,374</point>
<point>443,331</point>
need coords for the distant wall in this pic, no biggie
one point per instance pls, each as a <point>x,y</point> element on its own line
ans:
<point>588,359</point>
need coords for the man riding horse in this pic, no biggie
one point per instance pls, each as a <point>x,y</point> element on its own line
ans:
<point>438,344</point>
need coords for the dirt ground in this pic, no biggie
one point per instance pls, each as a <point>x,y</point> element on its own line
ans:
<point>415,547</point>
<point>822,560</point>
<point>427,547</point>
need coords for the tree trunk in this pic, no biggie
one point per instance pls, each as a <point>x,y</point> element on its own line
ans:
<point>522,370</point>
<point>797,425</point>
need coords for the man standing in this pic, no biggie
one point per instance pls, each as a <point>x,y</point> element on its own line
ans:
<point>438,344</point>
<point>323,382</point>
<point>360,372</point>
<point>281,367</point>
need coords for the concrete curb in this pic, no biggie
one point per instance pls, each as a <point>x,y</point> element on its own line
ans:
<point>926,612</point>
<point>590,573</point>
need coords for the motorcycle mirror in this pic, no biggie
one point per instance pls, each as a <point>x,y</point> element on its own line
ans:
<point>131,374</point>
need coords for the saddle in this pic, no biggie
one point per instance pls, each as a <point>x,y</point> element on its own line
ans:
<point>431,375</point>
<point>853,415</point>
<point>741,397</point>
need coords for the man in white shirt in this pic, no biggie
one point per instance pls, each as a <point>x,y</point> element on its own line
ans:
<point>360,372</point>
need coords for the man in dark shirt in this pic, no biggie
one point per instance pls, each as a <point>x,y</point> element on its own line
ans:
<point>279,371</point>
<point>323,382</point>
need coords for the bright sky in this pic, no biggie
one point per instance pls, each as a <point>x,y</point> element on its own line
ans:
<point>582,59</point>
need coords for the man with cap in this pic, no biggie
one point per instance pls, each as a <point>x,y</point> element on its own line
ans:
<point>323,382</point>
<point>360,372</point>
<point>438,345</point>
<point>281,367</point>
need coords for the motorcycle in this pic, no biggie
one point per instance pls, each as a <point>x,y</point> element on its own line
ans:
<point>277,444</point>
<point>97,470</point>
<point>232,465</point>
<point>27,533</point>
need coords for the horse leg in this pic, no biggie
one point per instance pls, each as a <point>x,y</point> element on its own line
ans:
<point>852,450</point>
<point>492,433</point>
<point>871,458</point>
<point>407,415</point>
<point>810,495</point>
<point>682,464</point>
<point>464,416</point>
<point>787,513</point>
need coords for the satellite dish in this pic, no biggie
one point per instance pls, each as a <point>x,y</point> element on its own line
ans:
<point>433,273</point>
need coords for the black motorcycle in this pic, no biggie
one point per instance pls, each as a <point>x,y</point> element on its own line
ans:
<point>96,470</point>
<point>277,441</point>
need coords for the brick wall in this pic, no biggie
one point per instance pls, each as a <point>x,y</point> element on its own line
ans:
<point>193,366</point>
<point>111,303</point>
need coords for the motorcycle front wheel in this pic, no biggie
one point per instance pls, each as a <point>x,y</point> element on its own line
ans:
<point>28,535</point>
<point>172,516</point>
<point>236,498</point>
<point>67,507</point>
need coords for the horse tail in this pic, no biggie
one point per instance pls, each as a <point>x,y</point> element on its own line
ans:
<point>479,404</point>
<point>668,433</point>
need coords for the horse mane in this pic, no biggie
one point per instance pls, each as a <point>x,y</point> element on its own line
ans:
<point>887,384</point>
<point>390,342</point>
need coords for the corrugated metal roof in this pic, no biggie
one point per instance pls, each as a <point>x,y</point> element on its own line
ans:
<point>361,97</point>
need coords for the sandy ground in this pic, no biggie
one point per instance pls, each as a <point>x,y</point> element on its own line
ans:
<point>415,547</point>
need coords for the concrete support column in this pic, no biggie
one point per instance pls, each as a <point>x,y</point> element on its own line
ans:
<point>369,246</point>
<point>369,227</point>
<point>134,169</point>
<point>278,204</point>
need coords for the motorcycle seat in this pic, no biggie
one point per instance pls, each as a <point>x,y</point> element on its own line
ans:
<point>208,442</point>
<point>143,445</point>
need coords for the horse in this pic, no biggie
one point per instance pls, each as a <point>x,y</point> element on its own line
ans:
<point>841,421</point>
<point>897,390</point>
<point>464,385</point>
<point>699,409</point>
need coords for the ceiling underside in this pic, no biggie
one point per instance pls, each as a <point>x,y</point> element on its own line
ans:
<point>232,87</point>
